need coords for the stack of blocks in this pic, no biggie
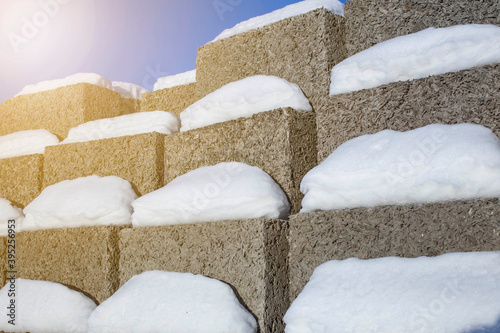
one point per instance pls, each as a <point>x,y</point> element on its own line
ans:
<point>267,262</point>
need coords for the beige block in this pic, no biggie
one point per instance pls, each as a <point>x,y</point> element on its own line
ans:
<point>60,109</point>
<point>84,259</point>
<point>249,255</point>
<point>404,231</point>
<point>175,99</point>
<point>301,49</point>
<point>280,142</point>
<point>21,178</point>
<point>137,159</point>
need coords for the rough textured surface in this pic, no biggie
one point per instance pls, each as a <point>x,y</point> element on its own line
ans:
<point>85,259</point>
<point>371,22</point>
<point>249,255</point>
<point>21,178</point>
<point>60,109</point>
<point>3,260</point>
<point>405,231</point>
<point>175,99</point>
<point>131,105</point>
<point>301,49</point>
<point>469,96</point>
<point>280,142</point>
<point>137,159</point>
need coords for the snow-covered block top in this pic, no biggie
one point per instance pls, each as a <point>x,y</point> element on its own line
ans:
<point>44,307</point>
<point>243,99</point>
<point>175,80</point>
<point>86,201</point>
<point>452,293</point>
<point>419,55</point>
<point>26,143</point>
<point>429,164</point>
<point>9,212</point>
<point>226,191</point>
<point>127,90</point>
<point>292,10</point>
<point>172,302</point>
<point>130,124</point>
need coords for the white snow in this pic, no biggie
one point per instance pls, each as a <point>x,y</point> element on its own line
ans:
<point>157,301</point>
<point>428,52</point>
<point>452,293</point>
<point>243,99</point>
<point>127,90</point>
<point>9,212</point>
<point>26,143</point>
<point>295,9</point>
<point>429,164</point>
<point>87,201</point>
<point>226,191</point>
<point>175,80</point>
<point>130,124</point>
<point>44,307</point>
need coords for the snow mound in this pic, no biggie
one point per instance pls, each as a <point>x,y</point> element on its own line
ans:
<point>292,10</point>
<point>87,201</point>
<point>172,302</point>
<point>91,78</point>
<point>9,212</point>
<point>226,191</point>
<point>44,307</point>
<point>429,164</point>
<point>452,293</point>
<point>128,90</point>
<point>130,124</point>
<point>243,99</point>
<point>419,55</point>
<point>26,143</point>
<point>175,80</point>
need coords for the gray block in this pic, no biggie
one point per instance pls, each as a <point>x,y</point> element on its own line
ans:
<point>403,231</point>
<point>249,255</point>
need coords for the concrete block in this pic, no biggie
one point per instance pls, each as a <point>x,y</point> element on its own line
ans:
<point>175,99</point>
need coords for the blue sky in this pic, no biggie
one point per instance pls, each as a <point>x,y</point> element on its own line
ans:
<point>124,40</point>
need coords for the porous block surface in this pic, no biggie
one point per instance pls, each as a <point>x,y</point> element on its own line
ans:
<point>468,96</point>
<point>281,142</point>
<point>403,231</point>
<point>174,100</point>
<point>60,109</point>
<point>371,22</point>
<point>137,159</point>
<point>3,260</point>
<point>84,259</point>
<point>301,49</point>
<point>249,255</point>
<point>21,178</point>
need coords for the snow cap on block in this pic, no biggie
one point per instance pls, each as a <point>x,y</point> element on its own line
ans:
<point>430,164</point>
<point>456,292</point>
<point>244,98</point>
<point>292,10</point>
<point>419,55</point>
<point>128,90</point>
<point>86,201</point>
<point>9,212</point>
<point>175,80</point>
<point>44,307</point>
<point>130,124</point>
<point>226,191</point>
<point>172,302</point>
<point>26,143</point>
